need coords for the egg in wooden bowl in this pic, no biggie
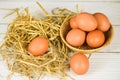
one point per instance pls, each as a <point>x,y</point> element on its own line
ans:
<point>88,34</point>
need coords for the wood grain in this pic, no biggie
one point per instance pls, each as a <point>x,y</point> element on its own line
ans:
<point>112,10</point>
<point>104,64</point>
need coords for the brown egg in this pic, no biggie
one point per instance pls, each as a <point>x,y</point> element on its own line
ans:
<point>79,63</point>
<point>38,46</point>
<point>103,22</point>
<point>86,21</point>
<point>73,22</point>
<point>76,37</point>
<point>95,38</point>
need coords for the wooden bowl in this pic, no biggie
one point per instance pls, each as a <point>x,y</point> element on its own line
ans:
<point>65,28</point>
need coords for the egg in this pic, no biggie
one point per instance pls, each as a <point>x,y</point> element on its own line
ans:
<point>86,21</point>
<point>75,37</point>
<point>38,46</point>
<point>79,63</point>
<point>95,38</point>
<point>103,22</point>
<point>73,22</point>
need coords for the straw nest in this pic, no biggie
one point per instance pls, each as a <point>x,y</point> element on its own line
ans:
<point>65,28</point>
<point>19,34</point>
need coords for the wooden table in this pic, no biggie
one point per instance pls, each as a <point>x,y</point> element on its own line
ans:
<point>104,64</point>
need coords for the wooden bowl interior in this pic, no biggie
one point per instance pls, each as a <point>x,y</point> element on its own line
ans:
<point>65,28</point>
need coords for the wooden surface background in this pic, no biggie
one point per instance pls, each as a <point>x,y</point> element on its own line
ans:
<point>104,64</point>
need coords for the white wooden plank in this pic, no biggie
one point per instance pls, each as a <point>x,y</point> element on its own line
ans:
<point>102,67</point>
<point>63,0</point>
<point>110,9</point>
<point>4,72</point>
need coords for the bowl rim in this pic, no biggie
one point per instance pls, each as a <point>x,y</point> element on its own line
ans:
<point>86,50</point>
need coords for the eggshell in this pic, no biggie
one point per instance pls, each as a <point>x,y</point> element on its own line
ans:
<point>103,22</point>
<point>95,38</point>
<point>86,21</point>
<point>73,23</point>
<point>38,46</point>
<point>75,37</point>
<point>79,63</point>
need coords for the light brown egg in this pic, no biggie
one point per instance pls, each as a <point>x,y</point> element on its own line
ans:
<point>86,21</point>
<point>73,22</point>
<point>95,38</point>
<point>103,22</point>
<point>79,63</point>
<point>75,37</point>
<point>38,46</point>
